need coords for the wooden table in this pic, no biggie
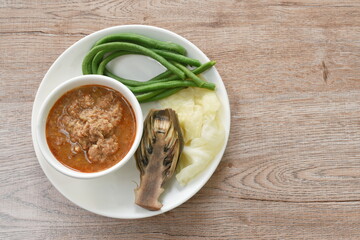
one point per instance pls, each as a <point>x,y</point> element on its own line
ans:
<point>292,166</point>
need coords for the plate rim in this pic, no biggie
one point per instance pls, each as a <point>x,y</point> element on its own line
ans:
<point>226,109</point>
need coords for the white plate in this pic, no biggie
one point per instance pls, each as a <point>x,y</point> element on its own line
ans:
<point>113,195</point>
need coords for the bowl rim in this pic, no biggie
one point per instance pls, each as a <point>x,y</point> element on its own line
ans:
<point>59,91</point>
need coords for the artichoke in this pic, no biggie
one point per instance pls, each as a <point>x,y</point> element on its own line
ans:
<point>157,156</point>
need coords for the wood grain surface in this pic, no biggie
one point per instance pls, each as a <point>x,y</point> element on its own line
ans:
<point>292,71</point>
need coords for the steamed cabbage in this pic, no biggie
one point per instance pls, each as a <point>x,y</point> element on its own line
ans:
<point>198,111</point>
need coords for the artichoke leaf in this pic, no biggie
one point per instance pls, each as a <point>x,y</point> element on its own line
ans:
<point>157,156</point>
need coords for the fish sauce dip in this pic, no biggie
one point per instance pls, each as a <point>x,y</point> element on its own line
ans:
<point>90,128</point>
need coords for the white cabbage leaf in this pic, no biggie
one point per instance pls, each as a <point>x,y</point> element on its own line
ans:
<point>198,111</point>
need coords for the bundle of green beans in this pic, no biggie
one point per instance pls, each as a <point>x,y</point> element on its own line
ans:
<point>172,56</point>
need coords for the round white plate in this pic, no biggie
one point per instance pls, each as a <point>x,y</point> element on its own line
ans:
<point>113,195</point>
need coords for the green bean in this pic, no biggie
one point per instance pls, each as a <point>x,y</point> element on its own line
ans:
<point>102,65</point>
<point>160,76</point>
<point>196,71</point>
<point>178,58</point>
<point>199,82</point>
<point>96,61</point>
<point>169,84</point>
<point>208,85</point>
<point>133,83</point>
<point>165,74</point>
<point>142,40</point>
<point>127,82</point>
<point>203,67</point>
<point>166,53</point>
<point>174,77</point>
<point>117,46</point>
<point>145,96</point>
<point>161,95</point>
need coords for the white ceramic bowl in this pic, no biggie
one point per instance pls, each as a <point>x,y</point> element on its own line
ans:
<point>61,90</point>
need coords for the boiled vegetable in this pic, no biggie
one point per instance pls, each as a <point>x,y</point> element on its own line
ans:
<point>157,156</point>
<point>170,55</point>
<point>118,46</point>
<point>143,41</point>
<point>198,112</point>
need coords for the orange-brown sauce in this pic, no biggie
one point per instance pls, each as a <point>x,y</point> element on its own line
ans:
<point>90,128</point>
